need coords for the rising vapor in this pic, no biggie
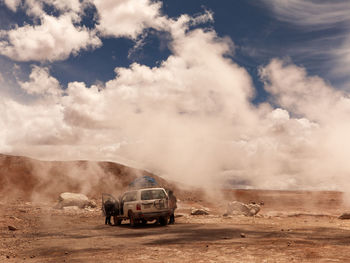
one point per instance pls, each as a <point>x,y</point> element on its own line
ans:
<point>190,119</point>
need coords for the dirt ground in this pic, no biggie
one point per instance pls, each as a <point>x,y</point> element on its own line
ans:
<point>291,227</point>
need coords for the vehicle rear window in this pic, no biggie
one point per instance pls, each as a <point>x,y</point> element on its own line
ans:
<point>152,194</point>
<point>129,197</point>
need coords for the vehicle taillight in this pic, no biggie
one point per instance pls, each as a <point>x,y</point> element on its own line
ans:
<point>138,207</point>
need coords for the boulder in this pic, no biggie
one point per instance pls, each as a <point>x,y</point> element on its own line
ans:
<point>238,208</point>
<point>73,199</point>
<point>196,212</point>
<point>12,228</point>
<point>344,216</point>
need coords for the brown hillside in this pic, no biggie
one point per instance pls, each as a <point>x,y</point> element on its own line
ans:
<point>29,178</point>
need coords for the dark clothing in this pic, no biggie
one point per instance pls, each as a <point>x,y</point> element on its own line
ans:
<point>108,220</point>
<point>172,201</point>
<point>172,206</point>
<point>110,210</point>
<point>172,217</point>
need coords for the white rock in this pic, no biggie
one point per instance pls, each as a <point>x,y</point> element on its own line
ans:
<point>238,208</point>
<point>73,199</point>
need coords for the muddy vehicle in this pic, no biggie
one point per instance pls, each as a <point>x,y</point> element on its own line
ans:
<point>141,206</point>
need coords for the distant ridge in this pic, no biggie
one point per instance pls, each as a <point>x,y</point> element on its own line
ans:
<point>26,177</point>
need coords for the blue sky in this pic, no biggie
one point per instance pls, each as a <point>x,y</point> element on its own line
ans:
<point>253,26</point>
<point>254,90</point>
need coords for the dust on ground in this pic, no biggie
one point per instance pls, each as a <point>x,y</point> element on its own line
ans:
<point>292,226</point>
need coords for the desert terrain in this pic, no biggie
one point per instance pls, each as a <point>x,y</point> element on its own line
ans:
<point>292,226</point>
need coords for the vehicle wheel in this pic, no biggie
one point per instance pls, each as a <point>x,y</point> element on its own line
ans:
<point>132,220</point>
<point>163,220</point>
<point>118,222</point>
<point>143,221</point>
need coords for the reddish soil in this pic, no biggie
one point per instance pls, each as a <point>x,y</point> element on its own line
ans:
<point>292,226</point>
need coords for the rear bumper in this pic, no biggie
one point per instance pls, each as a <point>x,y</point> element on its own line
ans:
<point>152,215</point>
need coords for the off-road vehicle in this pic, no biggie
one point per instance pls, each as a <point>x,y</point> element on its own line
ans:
<point>141,205</point>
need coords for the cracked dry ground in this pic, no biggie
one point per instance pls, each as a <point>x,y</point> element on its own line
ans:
<point>47,235</point>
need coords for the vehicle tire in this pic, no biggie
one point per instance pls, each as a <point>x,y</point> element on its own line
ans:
<point>118,222</point>
<point>132,219</point>
<point>163,220</point>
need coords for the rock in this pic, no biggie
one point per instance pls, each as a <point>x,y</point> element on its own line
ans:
<point>196,212</point>
<point>242,235</point>
<point>92,204</point>
<point>71,208</point>
<point>238,208</point>
<point>73,199</point>
<point>12,228</point>
<point>344,216</point>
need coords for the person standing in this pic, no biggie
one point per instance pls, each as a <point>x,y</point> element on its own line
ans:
<point>109,208</point>
<point>172,206</point>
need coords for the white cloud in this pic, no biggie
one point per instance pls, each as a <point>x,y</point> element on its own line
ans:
<point>36,7</point>
<point>312,98</point>
<point>41,83</point>
<point>189,97</point>
<point>12,4</point>
<point>127,18</point>
<point>84,107</point>
<point>295,91</point>
<point>54,39</point>
<point>190,118</point>
<point>317,16</point>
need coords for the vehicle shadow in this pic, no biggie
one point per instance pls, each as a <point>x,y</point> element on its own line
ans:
<point>184,233</point>
<point>139,226</point>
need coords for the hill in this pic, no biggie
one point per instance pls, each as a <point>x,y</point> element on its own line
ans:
<point>29,178</point>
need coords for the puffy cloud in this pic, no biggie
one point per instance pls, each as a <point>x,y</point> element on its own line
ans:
<point>184,121</point>
<point>313,99</point>
<point>12,4</point>
<point>294,90</point>
<point>37,124</point>
<point>40,82</point>
<point>84,107</point>
<point>190,96</point>
<point>127,18</point>
<point>36,7</point>
<point>190,118</point>
<point>54,39</point>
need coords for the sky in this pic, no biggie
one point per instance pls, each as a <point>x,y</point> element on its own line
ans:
<point>196,91</point>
